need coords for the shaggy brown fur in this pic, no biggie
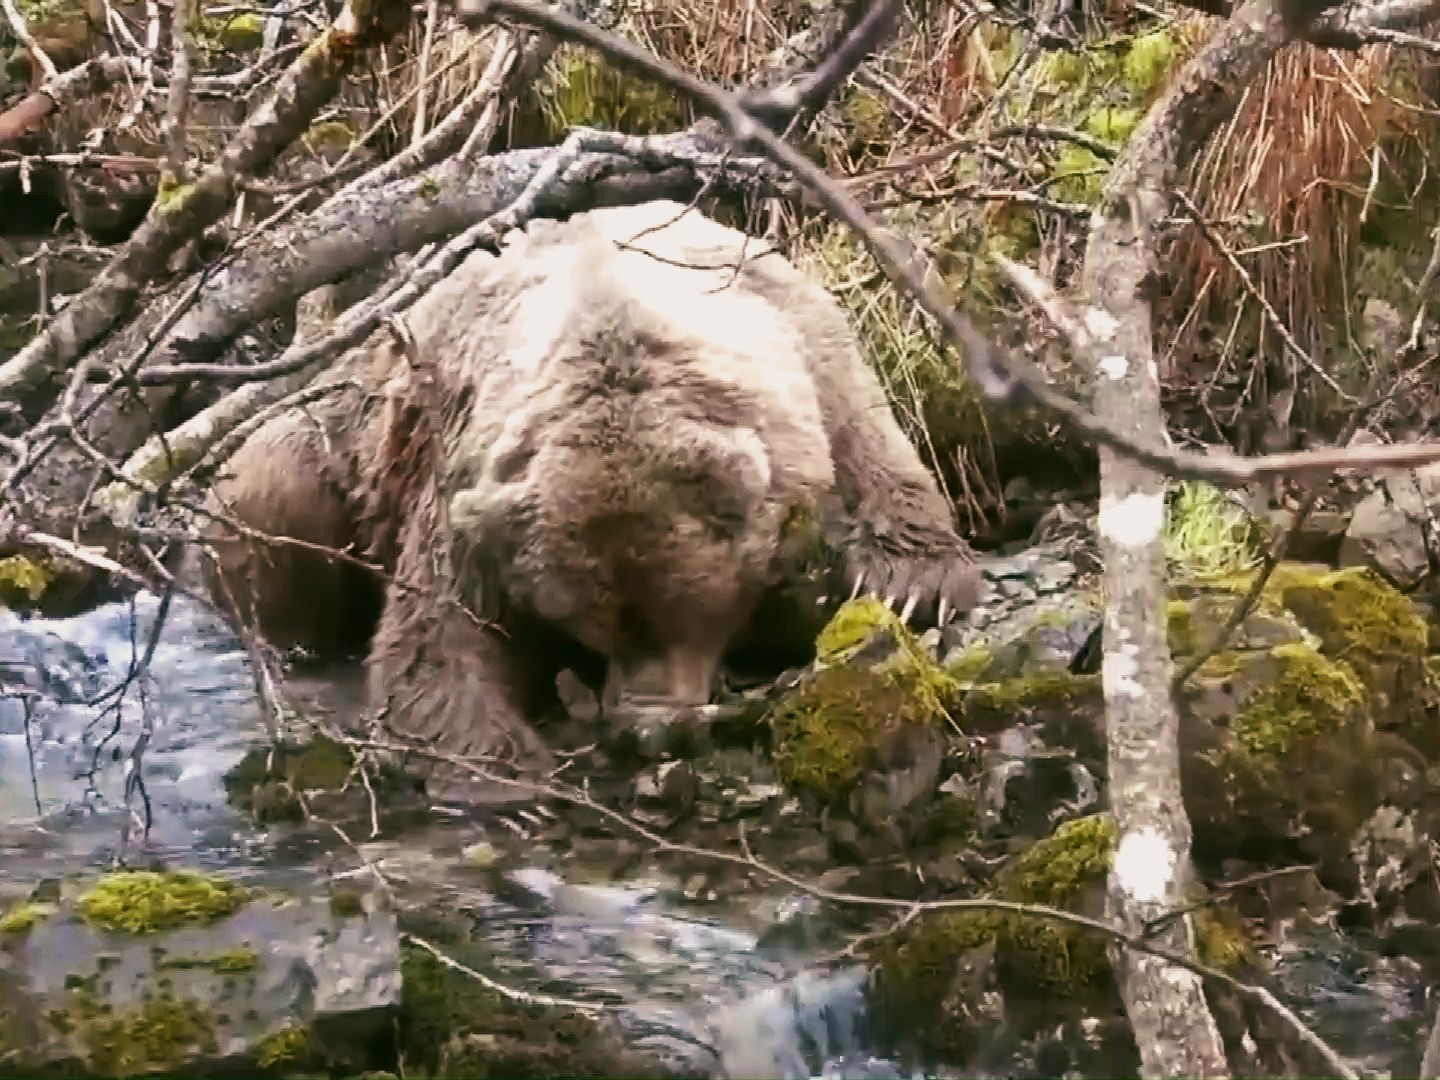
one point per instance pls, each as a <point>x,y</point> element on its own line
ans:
<point>599,437</point>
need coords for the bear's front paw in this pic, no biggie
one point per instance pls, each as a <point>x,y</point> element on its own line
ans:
<point>930,587</point>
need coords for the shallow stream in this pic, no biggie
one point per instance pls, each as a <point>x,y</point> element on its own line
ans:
<point>701,988</point>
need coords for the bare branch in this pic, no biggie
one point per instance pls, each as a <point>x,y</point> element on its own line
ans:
<point>307,85</point>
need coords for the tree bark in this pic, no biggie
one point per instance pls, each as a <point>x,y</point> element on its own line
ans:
<point>1174,1030</point>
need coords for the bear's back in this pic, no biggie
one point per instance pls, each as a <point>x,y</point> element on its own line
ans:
<point>641,295</point>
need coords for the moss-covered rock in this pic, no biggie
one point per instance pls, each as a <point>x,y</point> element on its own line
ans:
<point>184,973</point>
<point>1279,757</point>
<point>156,1036</point>
<point>1044,698</point>
<point>914,991</point>
<point>1351,617</point>
<point>875,691</point>
<point>1374,629</point>
<point>268,781</point>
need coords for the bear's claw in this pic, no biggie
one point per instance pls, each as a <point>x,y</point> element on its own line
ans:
<point>928,587</point>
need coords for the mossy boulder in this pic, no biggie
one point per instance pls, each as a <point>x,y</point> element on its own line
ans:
<point>1350,616</point>
<point>1316,715</point>
<point>916,996</point>
<point>934,985</point>
<point>875,702</point>
<point>1379,633</point>
<point>1048,698</point>
<point>142,972</point>
<point>274,784</point>
<point>1287,735</point>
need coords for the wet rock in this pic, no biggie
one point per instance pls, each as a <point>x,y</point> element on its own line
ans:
<point>666,793</point>
<point>144,971</point>
<point>40,664</point>
<point>453,1025</point>
<point>1392,528</point>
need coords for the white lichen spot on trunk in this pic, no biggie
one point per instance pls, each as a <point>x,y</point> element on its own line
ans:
<point>1145,865</point>
<point>1133,521</point>
<point>1119,674</point>
<point>1114,366</point>
<point>1101,325</point>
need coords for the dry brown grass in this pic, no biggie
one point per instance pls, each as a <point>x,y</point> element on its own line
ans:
<point>1287,183</point>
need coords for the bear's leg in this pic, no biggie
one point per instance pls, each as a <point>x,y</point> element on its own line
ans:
<point>443,679</point>
<point>901,543</point>
<point>284,482</point>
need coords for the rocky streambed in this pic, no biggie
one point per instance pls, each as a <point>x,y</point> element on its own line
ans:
<point>702,910</point>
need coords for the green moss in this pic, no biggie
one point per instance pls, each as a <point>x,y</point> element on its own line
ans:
<point>22,580</point>
<point>237,961</point>
<point>1311,696</point>
<point>21,918</point>
<point>915,969</point>
<point>167,466</point>
<point>579,89</point>
<point>346,903</point>
<point>428,189</point>
<point>156,1037</point>
<point>1059,871</point>
<point>267,781</point>
<point>1149,60</point>
<point>146,902</point>
<point>244,32</point>
<point>284,1047</point>
<point>1060,68</point>
<point>329,135</point>
<point>1079,174</point>
<point>829,730</point>
<point>1180,627</point>
<point>1113,123</point>
<point>1221,941</point>
<point>867,117</point>
<point>999,704</point>
<point>170,193</point>
<point>851,627</point>
<point>1357,616</point>
<point>970,666</point>
<point>826,732</point>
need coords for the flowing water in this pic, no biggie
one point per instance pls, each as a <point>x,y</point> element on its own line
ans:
<point>705,989</point>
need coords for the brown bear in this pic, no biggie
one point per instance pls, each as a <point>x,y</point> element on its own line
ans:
<point>600,438</point>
